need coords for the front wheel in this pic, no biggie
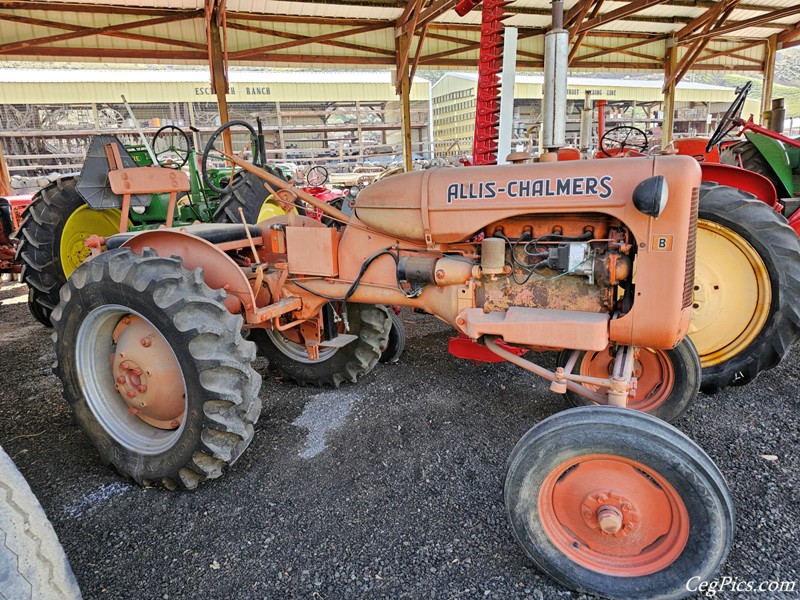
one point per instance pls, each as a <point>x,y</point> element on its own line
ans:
<point>617,503</point>
<point>746,307</point>
<point>155,368</point>
<point>287,352</point>
<point>667,381</point>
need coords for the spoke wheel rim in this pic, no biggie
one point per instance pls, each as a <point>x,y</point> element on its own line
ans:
<point>732,294</point>
<point>653,370</point>
<point>289,343</point>
<point>101,348</point>
<point>80,225</point>
<point>653,523</point>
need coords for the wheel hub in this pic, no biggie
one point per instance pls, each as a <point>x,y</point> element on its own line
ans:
<point>147,375</point>
<point>609,512</point>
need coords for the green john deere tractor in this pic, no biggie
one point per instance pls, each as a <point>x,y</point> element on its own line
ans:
<point>69,210</point>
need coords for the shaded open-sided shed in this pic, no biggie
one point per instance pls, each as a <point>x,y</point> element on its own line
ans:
<point>642,35</point>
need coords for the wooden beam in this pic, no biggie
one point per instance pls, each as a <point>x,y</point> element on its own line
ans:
<point>5,178</point>
<point>90,31</point>
<point>218,65</point>
<point>761,21</point>
<point>434,11</point>
<point>68,7</point>
<point>668,124</point>
<point>576,14</point>
<point>769,77</point>
<point>700,21</point>
<point>576,45</point>
<point>115,34</point>
<point>620,13</point>
<point>789,34</point>
<point>304,38</point>
<point>406,37</point>
<point>418,54</point>
<point>610,50</point>
<point>691,55</point>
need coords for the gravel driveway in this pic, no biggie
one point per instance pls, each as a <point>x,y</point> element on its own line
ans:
<point>388,488</point>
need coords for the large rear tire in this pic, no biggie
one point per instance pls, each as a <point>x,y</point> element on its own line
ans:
<point>747,287</point>
<point>178,400</point>
<point>667,380</point>
<point>752,160</point>
<point>251,196</point>
<point>619,504</point>
<point>371,323</point>
<point>32,561</point>
<point>51,239</point>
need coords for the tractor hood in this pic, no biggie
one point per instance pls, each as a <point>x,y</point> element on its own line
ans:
<point>450,204</point>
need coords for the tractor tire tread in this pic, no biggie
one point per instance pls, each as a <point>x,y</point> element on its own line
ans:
<point>779,246</point>
<point>32,561</point>
<point>229,384</point>
<point>37,240</point>
<point>249,196</point>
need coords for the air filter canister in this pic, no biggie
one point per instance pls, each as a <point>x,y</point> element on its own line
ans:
<point>493,255</point>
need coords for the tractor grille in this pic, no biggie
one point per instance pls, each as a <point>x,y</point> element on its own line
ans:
<point>691,250</point>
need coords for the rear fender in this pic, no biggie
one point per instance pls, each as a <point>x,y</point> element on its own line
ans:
<point>747,181</point>
<point>219,270</point>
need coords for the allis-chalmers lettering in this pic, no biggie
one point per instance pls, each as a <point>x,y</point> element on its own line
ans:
<point>532,188</point>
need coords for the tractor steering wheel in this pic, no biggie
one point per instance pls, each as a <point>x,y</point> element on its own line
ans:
<point>213,153</point>
<point>614,141</point>
<point>317,176</point>
<point>171,147</point>
<point>730,119</point>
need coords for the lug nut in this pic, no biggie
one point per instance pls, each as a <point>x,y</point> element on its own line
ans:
<point>120,379</point>
<point>131,394</point>
<point>145,342</point>
<point>124,365</point>
<point>142,388</point>
<point>136,372</point>
<point>133,410</point>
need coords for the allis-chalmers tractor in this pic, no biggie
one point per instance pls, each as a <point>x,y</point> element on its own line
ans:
<point>594,258</point>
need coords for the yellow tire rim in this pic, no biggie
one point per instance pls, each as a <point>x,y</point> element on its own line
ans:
<point>732,294</point>
<point>269,210</point>
<point>81,224</point>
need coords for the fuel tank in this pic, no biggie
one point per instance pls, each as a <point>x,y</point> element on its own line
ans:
<point>449,205</point>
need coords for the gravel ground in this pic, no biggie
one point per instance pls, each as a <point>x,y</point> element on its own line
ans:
<point>388,488</point>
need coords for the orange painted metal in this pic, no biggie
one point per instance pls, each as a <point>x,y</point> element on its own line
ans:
<point>655,375</point>
<point>147,374</point>
<point>583,499</point>
<point>538,327</point>
<point>313,250</point>
<point>220,271</point>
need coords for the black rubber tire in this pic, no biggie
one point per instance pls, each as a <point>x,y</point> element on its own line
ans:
<point>778,245</point>
<point>248,193</point>
<point>37,310</point>
<point>754,161</point>
<point>686,365</point>
<point>32,562</point>
<point>396,342</point>
<point>40,238</point>
<point>371,323</point>
<point>635,436</point>
<point>222,402</point>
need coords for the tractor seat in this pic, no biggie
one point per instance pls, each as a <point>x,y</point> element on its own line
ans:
<point>215,233</point>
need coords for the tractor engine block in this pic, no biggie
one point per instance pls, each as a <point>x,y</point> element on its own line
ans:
<point>573,264</point>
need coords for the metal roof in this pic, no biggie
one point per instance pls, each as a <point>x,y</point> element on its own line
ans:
<point>609,35</point>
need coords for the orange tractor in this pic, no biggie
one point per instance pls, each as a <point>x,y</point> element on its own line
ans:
<point>594,259</point>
